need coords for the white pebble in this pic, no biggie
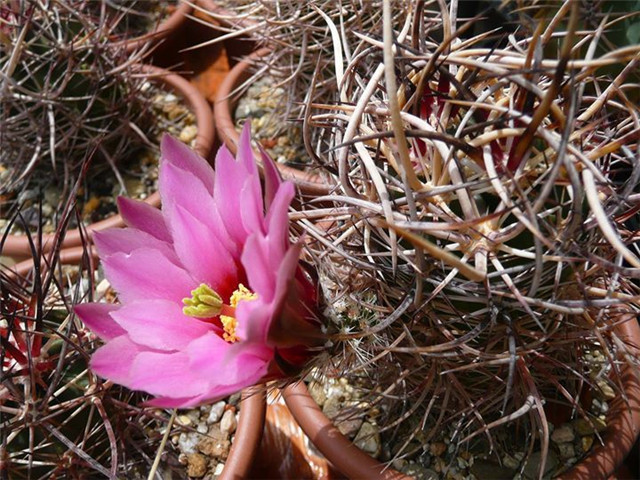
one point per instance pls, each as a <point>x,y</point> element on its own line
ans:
<point>228,423</point>
<point>219,469</point>
<point>217,409</point>
<point>188,133</point>
<point>187,442</point>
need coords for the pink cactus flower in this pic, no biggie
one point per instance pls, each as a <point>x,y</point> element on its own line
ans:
<point>212,295</point>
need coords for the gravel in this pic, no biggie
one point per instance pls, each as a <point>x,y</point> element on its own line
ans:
<point>264,104</point>
<point>440,458</point>
<point>206,437</point>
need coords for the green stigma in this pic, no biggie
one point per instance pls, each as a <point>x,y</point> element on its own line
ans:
<point>204,303</point>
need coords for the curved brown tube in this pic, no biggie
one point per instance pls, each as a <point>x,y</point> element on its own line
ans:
<point>67,256</point>
<point>623,425</point>
<point>17,246</point>
<point>307,182</point>
<point>343,454</point>
<point>248,434</point>
<point>171,24</point>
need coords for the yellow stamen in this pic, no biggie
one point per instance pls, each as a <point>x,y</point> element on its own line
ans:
<point>229,324</point>
<point>242,293</point>
<point>204,303</point>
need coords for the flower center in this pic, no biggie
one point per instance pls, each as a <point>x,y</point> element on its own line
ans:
<point>206,303</point>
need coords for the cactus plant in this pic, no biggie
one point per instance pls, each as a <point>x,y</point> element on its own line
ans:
<point>69,97</point>
<point>480,243</point>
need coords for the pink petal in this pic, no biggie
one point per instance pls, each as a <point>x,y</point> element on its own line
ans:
<point>159,324</point>
<point>166,374</point>
<point>183,402</point>
<point>262,256</point>
<point>97,317</point>
<point>251,210</point>
<point>254,320</point>
<point>201,253</point>
<point>228,193</point>
<point>181,156</point>
<point>146,273</point>
<point>252,206</point>
<point>235,366</point>
<point>179,187</point>
<point>144,217</point>
<point>271,178</point>
<point>278,219</point>
<point>245,153</point>
<point>287,271</point>
<point>113,361</point>
<point>126,240</point>
<point>247,368</point>
<point>257,264</point>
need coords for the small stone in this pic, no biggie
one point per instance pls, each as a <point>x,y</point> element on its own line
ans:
<point>368,439</point>
<point>183,420</point>
<point>187,442</point>
<point>188,133</point>
<point>586,443</point>
<point>437,449</point>
<point>217,409</point>
<point>90,206</point>
<point>532,466</point>
<point>317,393</point>
<point>216,433</point>
<point>228,423</point>
<point>563,434</point>
<point>439,465</point>
<point>219,468</point>
<point>214,447</point>
<point>425,458</point>
<point>399,464</point>
<point>47,210</point>
<point>332,408</point>
<point>566,450</point>
<point>202,428</point>
<point>510,462</point>
<point>235,399</point>
<point>605,389</point>
<point>197,465</point>
<point>416,471</point>
<point>583,427</point>
<point>487,469</point>
<point>600,406</point>
<point>283,141</point>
